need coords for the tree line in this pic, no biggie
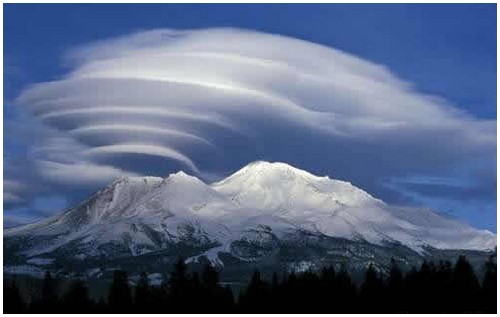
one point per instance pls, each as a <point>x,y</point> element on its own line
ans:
<point>432,288</point>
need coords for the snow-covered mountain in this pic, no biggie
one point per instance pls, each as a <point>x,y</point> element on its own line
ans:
<point>253,214</point>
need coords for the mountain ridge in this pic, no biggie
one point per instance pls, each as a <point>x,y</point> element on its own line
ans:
<point>250,215</point>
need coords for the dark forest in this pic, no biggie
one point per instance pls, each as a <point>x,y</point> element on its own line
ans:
<point>433,288</point>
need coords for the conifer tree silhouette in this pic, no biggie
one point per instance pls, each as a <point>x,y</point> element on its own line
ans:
<point>198,295</point>
<point>101,306</point>
<point>427,287</point>
<point>346,292</point>
<point>489,287</point>
<point>178,287</point>
<point>120,298</point>
<point>443,287</point>
<point>327,288</point>
<point>255,298</point>
<point>275,294</point>
<point>12,300</point>
<point>77,298</point>
<point>372,291</point>
<point>49,300</point>
<point>466,286</point>
<point>394,288</point>
<point>291,296</point>
<point>142,296</point>
<point>213,293</point>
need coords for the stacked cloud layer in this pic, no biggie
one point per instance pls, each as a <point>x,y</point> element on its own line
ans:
<point>211,100</point>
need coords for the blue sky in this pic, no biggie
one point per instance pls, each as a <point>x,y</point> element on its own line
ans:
<point>447,51</point>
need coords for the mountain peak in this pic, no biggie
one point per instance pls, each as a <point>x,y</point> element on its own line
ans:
<point>135,182</point>
<point>266,165</point>
<point>184,178</point>
<point>263,171</point>
<point>179,174</point>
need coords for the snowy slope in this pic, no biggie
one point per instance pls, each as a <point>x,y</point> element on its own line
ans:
<point>262,203</point>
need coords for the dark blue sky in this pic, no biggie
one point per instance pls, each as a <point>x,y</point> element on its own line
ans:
<point>444,50</point>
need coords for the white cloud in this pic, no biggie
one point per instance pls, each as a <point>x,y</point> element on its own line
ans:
<point>195,96</point>
<point>12,191</point>
<point>80,173</point>
<point>11,198</point>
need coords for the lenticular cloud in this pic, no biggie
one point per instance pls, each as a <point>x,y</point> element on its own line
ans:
<point>188,97</point>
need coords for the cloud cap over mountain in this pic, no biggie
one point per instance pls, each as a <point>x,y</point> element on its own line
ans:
<point>209,100</point>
